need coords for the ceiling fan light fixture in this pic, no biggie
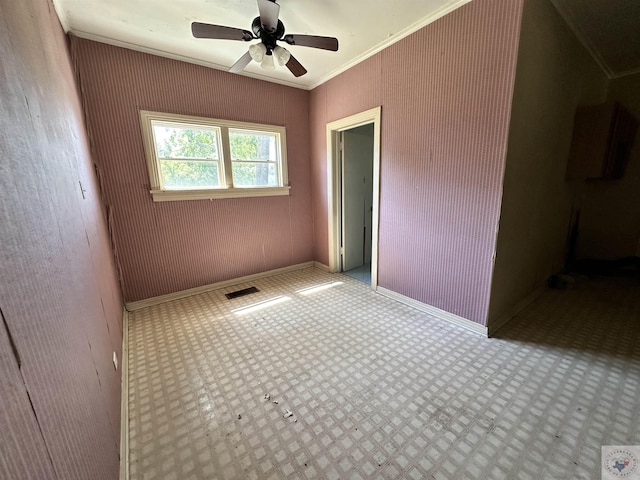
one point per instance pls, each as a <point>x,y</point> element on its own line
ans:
<point>267,62</point>
<point>258,52</point>
<point>282,55</point>
<point>268,29</point>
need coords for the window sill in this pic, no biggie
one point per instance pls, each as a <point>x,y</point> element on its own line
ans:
<point>210,194</point>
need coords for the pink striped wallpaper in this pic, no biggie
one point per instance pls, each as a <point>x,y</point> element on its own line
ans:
<point>445,93</point>
<point>60,304</point>
<point>172,246</point>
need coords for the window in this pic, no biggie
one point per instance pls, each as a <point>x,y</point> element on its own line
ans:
<point>191,158</point>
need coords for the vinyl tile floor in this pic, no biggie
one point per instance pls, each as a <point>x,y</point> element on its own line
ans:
<point>317,376</point>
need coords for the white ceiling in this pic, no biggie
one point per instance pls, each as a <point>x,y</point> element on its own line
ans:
<point>610,30</point>
<point>163,27</point>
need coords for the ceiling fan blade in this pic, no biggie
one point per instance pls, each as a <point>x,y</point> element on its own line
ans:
<point>325,43</point>
<point>295,67</point>
<point>269,12</point>
<point>206,30</point>
<point>241,64</point>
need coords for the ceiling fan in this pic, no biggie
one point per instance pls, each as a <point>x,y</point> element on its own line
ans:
<point>269,30</point>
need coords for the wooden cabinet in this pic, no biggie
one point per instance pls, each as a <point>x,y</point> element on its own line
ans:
<point>601,144</point>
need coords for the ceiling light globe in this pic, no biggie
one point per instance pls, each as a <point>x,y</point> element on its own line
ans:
<point>257,52</point>
<point>267,63</point>
<point>282,55</point>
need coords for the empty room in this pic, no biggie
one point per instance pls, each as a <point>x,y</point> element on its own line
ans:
<point>333,240</point>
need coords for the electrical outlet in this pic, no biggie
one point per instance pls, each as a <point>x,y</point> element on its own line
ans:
<point>115,360</point>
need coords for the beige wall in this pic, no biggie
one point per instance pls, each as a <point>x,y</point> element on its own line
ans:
<point>554,75</point>
<point>610,213</point>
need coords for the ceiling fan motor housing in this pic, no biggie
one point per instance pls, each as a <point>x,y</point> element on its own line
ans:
<point>267,28</point>
<point>268,37</point>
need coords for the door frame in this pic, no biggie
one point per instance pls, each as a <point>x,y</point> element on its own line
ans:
<point>334,188</point>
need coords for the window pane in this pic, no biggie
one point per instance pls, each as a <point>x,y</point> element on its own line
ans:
<point>179,142</point>
<point>178,174</point>
<point>247,145</point>
<point>247,174</point>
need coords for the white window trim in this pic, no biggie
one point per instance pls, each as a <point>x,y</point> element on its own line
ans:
<point>227,190</point>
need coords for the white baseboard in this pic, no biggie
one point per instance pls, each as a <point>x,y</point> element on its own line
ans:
<point>131,306</point>
<point>321,266</point>
<point>436,312</point>
<point>499,322</point>
<point>124,401</point>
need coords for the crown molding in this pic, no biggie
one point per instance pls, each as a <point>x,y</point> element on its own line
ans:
<point>174,56</point>
<point>62,16</point>
<point>405,32</point>
<point>423,22</point>
<point>570,19</point>
<point>626,73</point>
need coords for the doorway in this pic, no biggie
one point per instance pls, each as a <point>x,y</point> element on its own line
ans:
<point>356,172</point>
<point>353,170</point>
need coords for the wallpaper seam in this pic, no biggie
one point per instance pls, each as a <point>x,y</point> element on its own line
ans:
<point>18,360</point>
